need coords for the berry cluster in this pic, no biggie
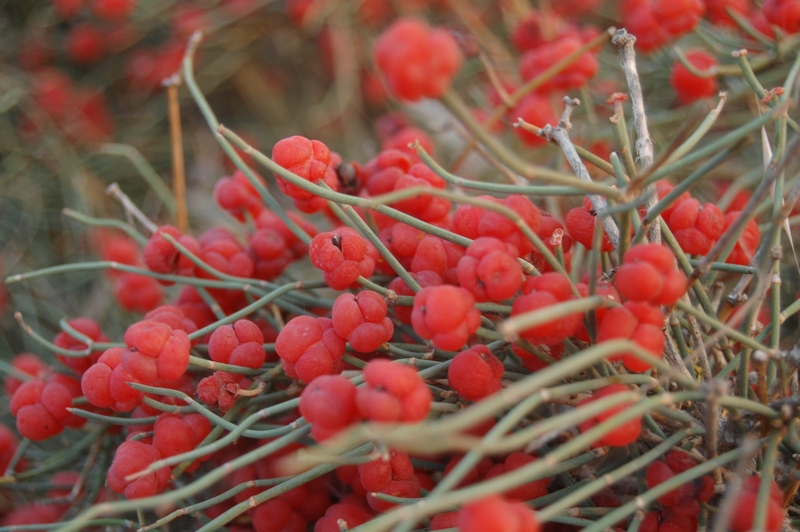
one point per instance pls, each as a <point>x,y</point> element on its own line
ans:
<point>296,331</point>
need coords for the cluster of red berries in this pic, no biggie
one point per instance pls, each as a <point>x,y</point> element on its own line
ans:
<point>698,226</point>
<point>461,290</point>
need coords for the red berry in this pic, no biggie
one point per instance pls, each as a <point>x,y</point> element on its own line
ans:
<point>536,60</point>
<point>155,351</point>
<point>240,344</point>
<point>113,10</point>
<point>623,434</point>
<point>342,255</point>
<point>783,13</point>
<point>580,224</point>
<point>40,408</point>
<point>67,9</point>
<point>137,293</point>
<point>394,392</point>
<point>89,328</point>
<point>132,457</point>
<point>85,44</point>
<point>696,227</point>
<point>405,55</point>
<point>329,404</point>
<point>494,513</point>
<point>526,492</point>
<point>746,245</point>
<point>744,509</point>
<point>717,11</point>
<point>174,434</point>
<point>656,22</point>
<point>29,364</point>
<point>688,86</point>
<point>490,270</point>
<point>400,140</point>
<point>535,109</point>
<point>394,476</point>
<point>475,373</point>
<point>639,322</point>
<point>309,347</point>
<point>306,158</point>
<point>161,256</point>
<point>237,196</point>
<point>446,315</point>
<point>424,278</point>
<point>349,514</point>
<point>648,273</point>
<point>361,320</point>
<point>541,292</point>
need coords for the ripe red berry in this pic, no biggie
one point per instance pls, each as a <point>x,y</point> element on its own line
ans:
<point>623,434</point>
<point>155,351</point>
<point>29,364</point>
<point>446,315</point>
<point>683,499</point>
<point>541,292</point>
<point>67,9</point>
<point>113,10</point>
<point>636,321</point>
<point>664,187</point>
<point>137,293</point>
<point>404,53</point>
<point>161,256</point>
<point>648,273</point>
<point>132,457</point>
<point>535,109</point>
<point>400,140</point>
<point>343,256</point>
<point>580,224</point>
<point>536,60</point>
<point>526,492</point>
<point>175,434</point>
<point>349,514</point>
<point>746,245</point>
<point>717,11</point>
<point>40,408</point>
<point>329,404</point>
<point>490,270</point>
<point>309,347</point>
<point>696,227</point>
<point>783,13</point>
<point>219,390</point>
<point>475,373</point>
<point>399,286</point>
<point>394,392</point>
<point>306,158</point>
<point>240,344</point>
<point>690,87</point>
<point>494,513</point>
<point>656,22</point>
<point>744,509</point>
<point>394,476</point>
<point>361,320</point>
<point>237,196</point>
<point>274,246</point>
<point>85,44</point>
<point>88,327</point>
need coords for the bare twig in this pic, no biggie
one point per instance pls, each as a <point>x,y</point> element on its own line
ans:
<point>644,144</point>
<point>560,135</point>
<point>115,192</point>
<point>176,141</point>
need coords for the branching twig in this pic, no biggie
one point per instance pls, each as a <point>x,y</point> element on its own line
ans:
<point>560,135</point>
<point>644,144</point>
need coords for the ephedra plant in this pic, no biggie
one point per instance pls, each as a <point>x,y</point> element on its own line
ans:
<point>581,318</point>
